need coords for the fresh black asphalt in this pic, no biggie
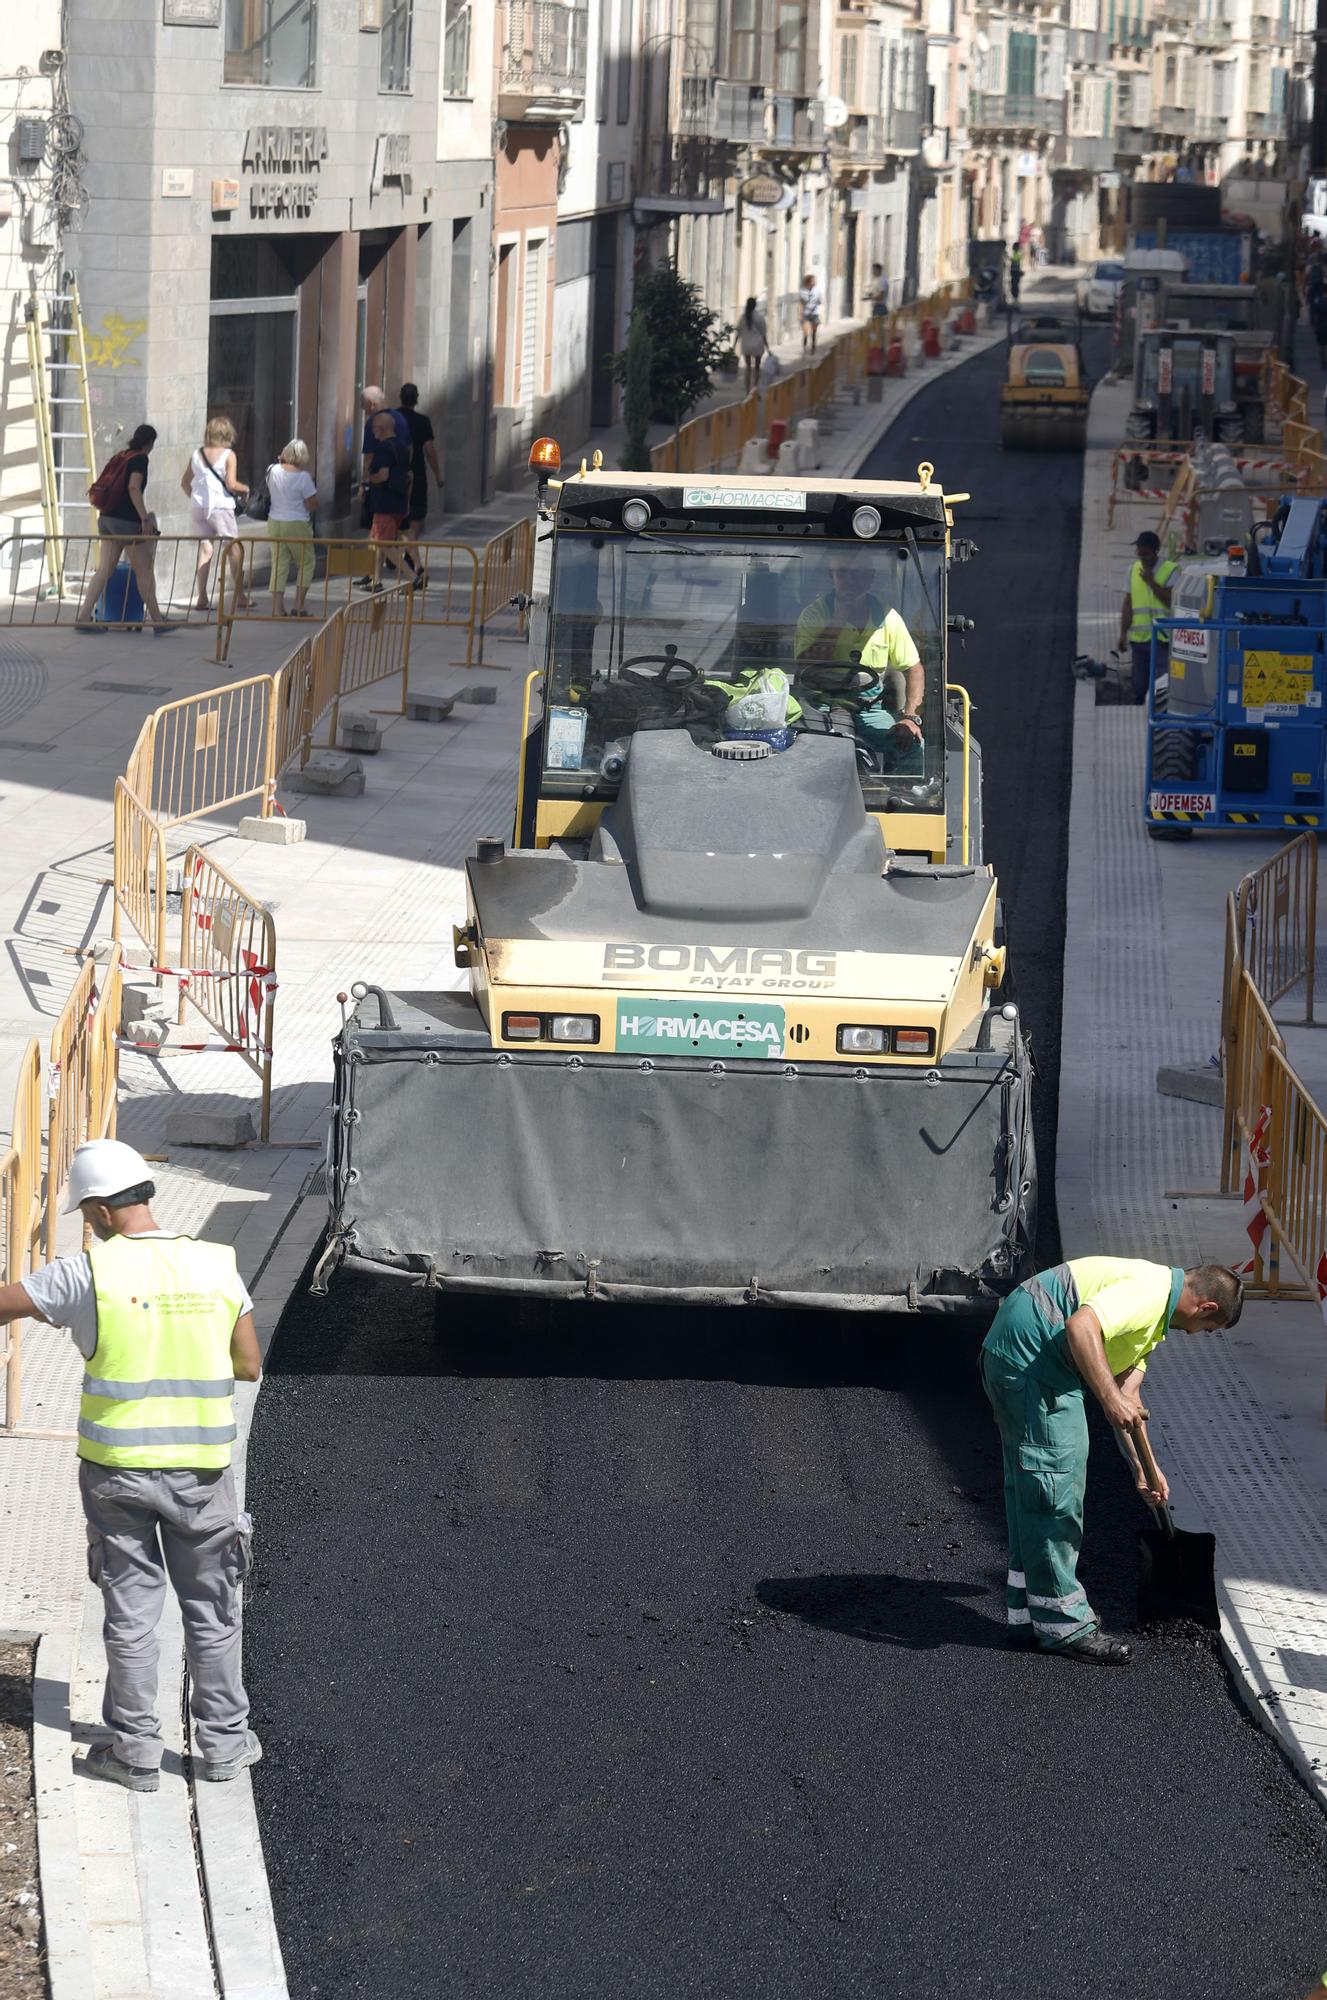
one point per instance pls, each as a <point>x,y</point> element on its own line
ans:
<point>660,1655</point>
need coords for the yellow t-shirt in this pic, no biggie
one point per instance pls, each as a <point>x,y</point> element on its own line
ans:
<point>1133,1302</point>
<point>884,641</point>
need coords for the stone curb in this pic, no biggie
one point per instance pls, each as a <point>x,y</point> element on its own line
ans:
<point>60,1871</point>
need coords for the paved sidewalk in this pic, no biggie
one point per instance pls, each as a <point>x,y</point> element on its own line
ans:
<point>373,893</point>
<point>1238,1417</point>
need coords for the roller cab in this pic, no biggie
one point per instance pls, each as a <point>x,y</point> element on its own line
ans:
<point>736,1026</point>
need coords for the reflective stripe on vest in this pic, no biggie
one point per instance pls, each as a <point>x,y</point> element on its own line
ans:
<point>158,1389</point>
<point>1145,601</point>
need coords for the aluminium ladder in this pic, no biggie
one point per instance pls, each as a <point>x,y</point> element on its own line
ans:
<point>62,411</point>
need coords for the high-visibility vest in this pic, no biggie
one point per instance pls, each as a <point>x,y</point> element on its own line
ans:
<point>158,1391</point>
<point>1145,601</point>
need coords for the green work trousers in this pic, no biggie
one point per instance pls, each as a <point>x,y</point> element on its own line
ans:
<point>1043,1437</point>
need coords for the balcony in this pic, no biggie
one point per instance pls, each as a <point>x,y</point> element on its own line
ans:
<point>1209,125</point>
<point>1087,47</point>
<point>998,111</point>
<point>1276,14</point>
<point>1085,153</point>
<point>737,113</point>
<point>1132,141</point>
<point>1264,125</point>
<point>859,143</point>
<point>686,176</point>
<point>794,126</point>
<point>903,130</point>
<point>1177,13</point>
<point>1211,32</point>
<point>541,60</point>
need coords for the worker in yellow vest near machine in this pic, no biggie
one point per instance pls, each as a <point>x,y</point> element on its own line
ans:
<point>165,1325</point>
<point>1149,592</point>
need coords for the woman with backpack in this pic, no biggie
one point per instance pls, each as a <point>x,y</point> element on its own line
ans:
<point>127,528</point>
<point>212,487</point>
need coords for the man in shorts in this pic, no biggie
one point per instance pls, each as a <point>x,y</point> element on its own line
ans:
<point>387,483</point>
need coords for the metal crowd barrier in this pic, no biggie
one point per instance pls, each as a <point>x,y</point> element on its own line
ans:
<point>447,595</point>
<point>83,1073</point>
<point>228,961</point>
<point>21,1203</point>
<point>33,568</point>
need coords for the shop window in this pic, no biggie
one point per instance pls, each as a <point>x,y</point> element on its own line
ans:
<point>394,45</point>
<point>456,50</point>
<point>271,43</point>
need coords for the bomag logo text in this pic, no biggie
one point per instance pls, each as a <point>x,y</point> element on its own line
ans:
<point>765,968</point>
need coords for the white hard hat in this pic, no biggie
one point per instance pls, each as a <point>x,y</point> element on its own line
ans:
<point>103,1167</point>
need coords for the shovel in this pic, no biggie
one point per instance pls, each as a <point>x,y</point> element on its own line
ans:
<point>1177,1569</point>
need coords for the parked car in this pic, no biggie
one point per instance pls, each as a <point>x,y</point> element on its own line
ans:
<point>1098,289</point>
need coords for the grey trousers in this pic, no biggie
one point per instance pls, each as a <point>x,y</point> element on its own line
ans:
<point>142,1527</point>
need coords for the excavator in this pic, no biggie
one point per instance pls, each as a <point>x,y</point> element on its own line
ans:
<point>736,1025</point>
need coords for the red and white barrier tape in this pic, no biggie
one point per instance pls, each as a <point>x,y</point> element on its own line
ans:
<point>187,972</point>
<point>1257,1155</point>
<point>210,1045</point>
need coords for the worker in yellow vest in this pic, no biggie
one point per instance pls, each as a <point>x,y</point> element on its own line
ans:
<point>1149,592</point>
<point>165,1325</point>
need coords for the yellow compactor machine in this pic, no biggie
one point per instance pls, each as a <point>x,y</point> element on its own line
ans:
<point>1044,399</point>
<point>734,1026</point>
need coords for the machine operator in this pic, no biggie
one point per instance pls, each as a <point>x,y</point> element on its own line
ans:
<point>849,622</point>
<point>1093,1322</point>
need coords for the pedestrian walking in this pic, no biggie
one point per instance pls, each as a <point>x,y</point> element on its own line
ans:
<point>1318,322</point>
<point>423,460</point>
<point>212,485</point>
<point>812,301</point>
<point>1149,592</point>
<point>371,402</point>
<point>165,1326</point>
<point>877,292</point>
<point>1015,270</point>
<point>752,342</point>
<point>387,484</point>
<point>127,528</point>
<point>1089,1323</point>
<point>294,497</point>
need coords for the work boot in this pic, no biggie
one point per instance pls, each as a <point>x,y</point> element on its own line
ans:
<point>102,1762</point>
<point>230,1767</point>
<point>1098,1648</point>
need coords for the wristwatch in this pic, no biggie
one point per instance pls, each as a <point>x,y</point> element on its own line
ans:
<point>909,715</point>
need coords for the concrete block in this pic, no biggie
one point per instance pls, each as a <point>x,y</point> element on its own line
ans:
<point>279,831</point>
<point>482,693</point>
<point>137,1004</point>
<point>1198,1083</point>
<point>222,1129</point>
<point>429,705</point>
<point>362,733</point>
<point>330,773</point>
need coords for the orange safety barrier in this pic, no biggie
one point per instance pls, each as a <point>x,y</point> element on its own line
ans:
<point>139,872</point>
<point>20,1216</point>
<point>228,962</point>
<point>83,1074</point>
<point>448,593</point>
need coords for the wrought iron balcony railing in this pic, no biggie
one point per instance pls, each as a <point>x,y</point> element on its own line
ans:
<point>541,58</point>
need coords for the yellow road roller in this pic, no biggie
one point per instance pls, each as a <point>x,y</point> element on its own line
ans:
<point>1044,398</point>
<point>731,1025</point>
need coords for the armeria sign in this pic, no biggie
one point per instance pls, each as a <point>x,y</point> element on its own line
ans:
<point>707,1028</point>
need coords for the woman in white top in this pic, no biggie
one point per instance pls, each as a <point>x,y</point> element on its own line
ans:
<point>213,487</point>
<point>290,525</point>
<point>752,343</point>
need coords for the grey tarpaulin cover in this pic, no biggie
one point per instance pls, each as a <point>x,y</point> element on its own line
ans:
<point>817,1184</point>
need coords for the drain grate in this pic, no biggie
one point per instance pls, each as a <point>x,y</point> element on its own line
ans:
<point>34,749</point>
<point>126,687</point>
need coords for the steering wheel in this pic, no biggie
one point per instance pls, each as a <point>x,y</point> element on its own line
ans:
<point>842,682</point>
<point>668,663</point>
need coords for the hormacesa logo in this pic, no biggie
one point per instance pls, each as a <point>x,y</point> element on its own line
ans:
<point>764,968</point>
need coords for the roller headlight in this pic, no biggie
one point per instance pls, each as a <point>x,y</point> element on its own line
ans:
<point>863,1041</point>
<point>573,1027</point>
<point>636,515</point>
<point>866,522</point>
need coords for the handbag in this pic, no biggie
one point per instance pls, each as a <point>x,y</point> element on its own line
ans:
<point>237,500</point>
<point>259,505</point>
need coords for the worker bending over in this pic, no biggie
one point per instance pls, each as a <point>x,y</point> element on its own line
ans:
<point>1092,1322</point>
<point>165,1325</point>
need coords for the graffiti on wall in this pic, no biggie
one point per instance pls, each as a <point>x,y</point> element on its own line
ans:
<point>109,347</point>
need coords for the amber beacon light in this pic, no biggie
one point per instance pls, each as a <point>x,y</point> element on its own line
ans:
<point>545,455</point>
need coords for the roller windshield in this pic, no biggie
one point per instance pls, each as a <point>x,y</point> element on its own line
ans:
<point>679,633</point>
